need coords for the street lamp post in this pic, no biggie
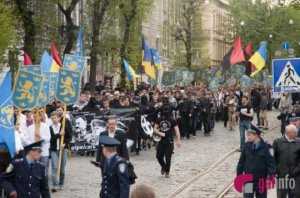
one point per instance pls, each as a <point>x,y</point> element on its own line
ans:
<point>242,23</point>
<point>157,41</point>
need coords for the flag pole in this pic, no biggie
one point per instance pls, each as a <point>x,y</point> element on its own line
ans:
<point>61,146</point>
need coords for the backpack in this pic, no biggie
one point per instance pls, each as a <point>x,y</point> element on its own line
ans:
<point>131,174</point>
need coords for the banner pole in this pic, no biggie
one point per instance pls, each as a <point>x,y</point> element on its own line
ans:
<point>61,146</point>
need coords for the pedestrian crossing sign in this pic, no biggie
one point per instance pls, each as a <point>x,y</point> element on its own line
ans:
<point>286,75</point>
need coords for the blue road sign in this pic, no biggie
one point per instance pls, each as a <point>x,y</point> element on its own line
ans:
<point>286,75</point>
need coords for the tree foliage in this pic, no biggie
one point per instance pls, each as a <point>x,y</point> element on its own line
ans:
<point>259,21</point>
<point>99,11</point>
<point>8,29</point>
<point>26,14</point>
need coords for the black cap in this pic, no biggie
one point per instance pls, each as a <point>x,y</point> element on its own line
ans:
<point>107,141</point>
<point>254,129</point>
<point>34,146</point>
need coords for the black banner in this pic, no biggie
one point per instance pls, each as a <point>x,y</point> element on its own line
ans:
<point>88,126</point>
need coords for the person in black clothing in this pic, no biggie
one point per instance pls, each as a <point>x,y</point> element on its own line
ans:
<point>205,107</point>
<point>105,108</point>
<point>255,101</point>
<point>256,160</point>
<point>4,162</point>
<point>185,109</point>
<point>285,154</point>
<point>164,127</point>
<point>195,115</point>
<point>119,135</point>
<point>146,110</point>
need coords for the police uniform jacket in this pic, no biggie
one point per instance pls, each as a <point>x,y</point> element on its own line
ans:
<point>29,181</point>
<point>256,160</point>
<point>115,179</point>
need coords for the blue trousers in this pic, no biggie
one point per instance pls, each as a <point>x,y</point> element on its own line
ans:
<point>244,125</point>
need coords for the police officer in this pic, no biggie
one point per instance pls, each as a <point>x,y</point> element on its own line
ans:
<point>164,127</point>
<point>115,179</point>
<point>26,177</point>
<point>257,161</point>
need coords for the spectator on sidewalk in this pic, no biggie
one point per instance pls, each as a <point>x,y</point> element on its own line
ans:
<point>285,149</point>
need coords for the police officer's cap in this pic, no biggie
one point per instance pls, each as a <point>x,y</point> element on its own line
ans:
<point>107,141</point>
<point>254,129</point>
<point>34,146</point>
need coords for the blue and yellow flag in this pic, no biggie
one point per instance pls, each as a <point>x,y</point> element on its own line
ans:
<point>7,135</point>
<point>131,75</point>
<point>147,61</point>
<point>48,64</point>
<point>259,58</point>
<point>74,62</point>
<point>68,86</point>
<point>27,89</point>
<point>156,58</point>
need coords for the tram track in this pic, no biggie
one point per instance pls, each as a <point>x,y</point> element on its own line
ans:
<point>225,191</point>
<point>201,174</point>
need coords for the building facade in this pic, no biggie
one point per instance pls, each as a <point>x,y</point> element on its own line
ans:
<point>215,17</point>
<point>209,46</point>
<point>157,29</point>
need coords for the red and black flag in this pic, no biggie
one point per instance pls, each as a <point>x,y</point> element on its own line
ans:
<point>237,55</point>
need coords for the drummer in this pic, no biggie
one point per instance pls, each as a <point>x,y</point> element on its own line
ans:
<point>111,131</point>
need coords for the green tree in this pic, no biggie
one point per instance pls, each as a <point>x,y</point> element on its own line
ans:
<point>259,21</point>
<point>26,14</point>
<point>99,10</point>
<point>8,30</point>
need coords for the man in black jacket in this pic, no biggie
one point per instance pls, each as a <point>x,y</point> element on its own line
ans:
<point>285,153</point>
<point>255,101</point>
<point>257,161</point>
<point>114,133</point>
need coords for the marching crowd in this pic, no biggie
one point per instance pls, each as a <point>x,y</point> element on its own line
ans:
<point>179,112</point>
